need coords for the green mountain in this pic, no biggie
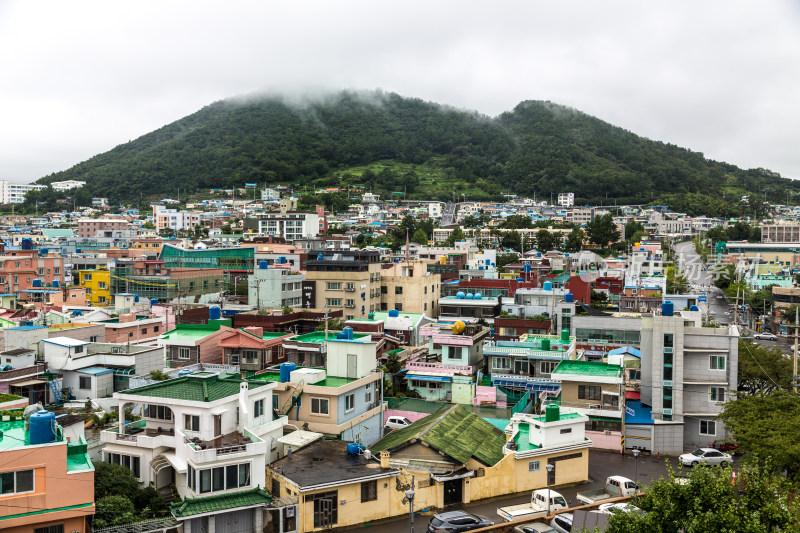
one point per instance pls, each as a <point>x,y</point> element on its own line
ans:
<point>389,143</point>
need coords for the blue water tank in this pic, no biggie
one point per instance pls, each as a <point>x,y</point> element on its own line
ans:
<point>480,268</point>
<point>282,260</point>
<point>27,244</point>
<point>488,262</point>
<point>460,295</point>
<point>263,265</point>
<point>547,286</point>
<point>469,296</point>
<point>214,313</point>
<point>569,298</point>
<point>694,308</point>
<point>478,296</point>
<point>520,279</point>
<point>136,298</point>
<point>394,313</point>
<point>527,267</point>
<point>348,333</point>
<point>320,257</point>
<point>55,283</point>
<point>77,250</point>
<point>153,301</point>
<point>43,251</point>
<point>43,427</point>
<point>286,371</point>
<point>371,316</point>
<point>667,308</point>
<point>37,283</point>
<point>354,448</point>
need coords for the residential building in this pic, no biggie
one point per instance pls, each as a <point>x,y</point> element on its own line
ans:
<point>97,283</point>
<point>409,287</point>
<point>347,280</point>
<point>47,480</point>
<point>104,227</point>
<point>14,193</point>
<point>252,349</point>
<point>780,233</point>
<point>19,269</point>
<point>274,287</point>
<point>206,436</point>
<point>175,219</point>
<point>527,364</point>
<point>128,327</point>
<point>469,307</point>
<point>153,280</point>
<point>289,225</point>
<point>545,303</point>
<point>688,372</point>
<point>566,199</point>
<point>67,185</point>
<point>640,299</point>
<point>455,345</point>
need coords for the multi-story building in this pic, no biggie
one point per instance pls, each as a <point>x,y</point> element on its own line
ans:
<point>409,287</point>
<point>47,480</point>
<point>347,280</point>
<point>274,287</point>
<point>14,193</point>
<point>19,269</point>
<point>528,364</point>
<point>688,372</point>
<point>566,199</point>
<point>206,436</point>
<point>175,219</point>
<point>67,185</point>
<point>104,227</point>
<point>152,279</point>
<point>97,283</point>
<point>289,225</point>
<point>782,233</point>
<point>548,302</point>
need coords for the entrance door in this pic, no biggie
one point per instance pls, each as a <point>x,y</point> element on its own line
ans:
<point>217,425</point>
<point>453,491</point>
<point>351,366</point>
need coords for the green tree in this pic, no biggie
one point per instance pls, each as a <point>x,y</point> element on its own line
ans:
<point>148,225</point>
<point>113,510</point>
<point>574,241</point>
<point>763,370</point>
<point>634,231</point>
<point>717,234</point>
<point>545,241</point>
<point>511,240</point>
<point>676,281</point>
<point>476,221</point>
<point>602,230</point>
<point>506,259</point>
<point>455,236</point>
<point>334,324</point>
<point>114,480</point>
<point>709,502</point>
<point>724,275</point>
<point>766,426</point>
<point>420,237</point>
<point>517,222</point>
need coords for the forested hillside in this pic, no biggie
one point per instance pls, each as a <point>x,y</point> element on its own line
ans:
<point>389,143</point>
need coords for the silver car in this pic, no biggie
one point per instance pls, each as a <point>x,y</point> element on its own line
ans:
<point>766,336</point>
<point>562,523</point>
<point>708,456</point>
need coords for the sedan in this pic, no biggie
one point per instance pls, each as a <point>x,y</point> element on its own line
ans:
<point>766,336</point>
<point>708,456</point>
<point>453,521</point>
<point>534,527</point>
<point>613,508</point>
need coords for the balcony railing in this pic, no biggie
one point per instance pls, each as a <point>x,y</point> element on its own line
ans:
<point>439,368</point>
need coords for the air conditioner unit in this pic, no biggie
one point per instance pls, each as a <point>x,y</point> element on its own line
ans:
<point>290,512</point>
<point>666,412</point>
<point>596,406</point>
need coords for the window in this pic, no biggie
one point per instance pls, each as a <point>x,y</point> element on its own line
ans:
<point>319,406</point>
<point>17,482</point>
<point>250,356</point>
<point>334,302</point>
<point>93,338</point>
<point>398,290</point>
<point>85,382</point>
<point>566,430</point>
<point>79,349</point>
<point>334,286</point>
<point>159,412</point>
<point>398,306</point>
<point>534,466</point>
<point>350,286</point>
<point>501,363</point>
<point>101,284</point>
<point>258,408</point>
<point>708,427</point>
<point>547,367</point>
<point>717,362</point>
<point>144,331</point>
<point>369,491</point>
<point>183,353</point>
<point>717,394</point>
<point>55,528</point>
<point>349,402</point>
<point>589,392</point>
<point>191,422</point>
<point>368,393</point>
<point>155,329</point>
<point>131,462</point>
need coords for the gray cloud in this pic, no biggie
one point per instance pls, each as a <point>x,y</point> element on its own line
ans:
<point>719,77</point>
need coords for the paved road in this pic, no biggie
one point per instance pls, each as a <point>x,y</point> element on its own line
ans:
<point>602,464</point>
<point>690,263</point>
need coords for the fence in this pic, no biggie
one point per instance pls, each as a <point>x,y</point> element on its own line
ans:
<point>522,404</point>
<point>143,526</point>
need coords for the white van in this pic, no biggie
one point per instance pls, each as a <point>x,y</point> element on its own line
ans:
<point>397,422</point>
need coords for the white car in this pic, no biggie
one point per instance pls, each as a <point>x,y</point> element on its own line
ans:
<point>397,422</point>
<point>613,508</point>
<point>708,456</point>
<point>766,336</point>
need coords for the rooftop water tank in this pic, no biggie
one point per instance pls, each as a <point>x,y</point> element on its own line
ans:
<point>564,335</point>
<point>520,279</point>
<point>667,308</point>
<point>55,283</point>
<point>286,371</point>
<point>348,333</point>
<point>282,260</point>
<point>37,283</point>
<point>354,448</point>
<point>214,313</point>
<point>43,427</point>
<point>545,345</point>
<point>153,301</point>
<point>552,412</point>
<point>469,296</point>
<point>371,316</point>
<point>547,286</point>
<point>569,298</point>
<point>458,327</point>
<point>136,298</point>
<point>694,308</point>
<point>460,295</point>
<point>394,313</point>
<point>478,296</point>
<point>263,265</point>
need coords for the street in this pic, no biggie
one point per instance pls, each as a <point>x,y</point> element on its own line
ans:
<point>696,272</point>
<point>602,463</point>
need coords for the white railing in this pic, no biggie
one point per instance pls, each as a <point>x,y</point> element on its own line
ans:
<point>440,368</point>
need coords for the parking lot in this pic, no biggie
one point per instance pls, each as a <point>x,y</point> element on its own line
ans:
<point>602,464</point>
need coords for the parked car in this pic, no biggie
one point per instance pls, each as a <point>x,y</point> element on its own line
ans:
<point>725,446</point>
<point>708,456</point>
<point>534,527</point>
<point>397,422</point>
<point>454,521</point>
<point>562,523</point>
<point>766,336</point>
<point>613,508</point>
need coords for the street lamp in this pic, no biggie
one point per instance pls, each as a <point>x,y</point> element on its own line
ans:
<point>636,453</point>
<point>550,469</point>
<point>409,499</point>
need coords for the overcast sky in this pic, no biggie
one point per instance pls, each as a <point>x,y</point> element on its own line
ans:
<point>723,78</point>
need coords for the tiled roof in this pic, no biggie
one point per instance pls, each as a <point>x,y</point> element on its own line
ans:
<point>195,388</point>
<point>222,502</point>
<point>457,433</point>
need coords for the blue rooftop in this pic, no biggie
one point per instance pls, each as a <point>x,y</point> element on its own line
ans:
<point>642,414</point>
<point>28,328</point>
<point>626,350</point>
<point>96,371</point>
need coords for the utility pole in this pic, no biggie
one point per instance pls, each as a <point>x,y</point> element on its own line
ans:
<point>794,368</point>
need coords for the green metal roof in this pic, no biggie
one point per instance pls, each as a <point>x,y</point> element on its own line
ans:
<point>195,388</point>
<point>459,434</point>
<point>222,502</point>
<point>238,258</point>
<point>587,368</point>
<point>384,315</point>
<point>193,332</point>
<point>319,336</point>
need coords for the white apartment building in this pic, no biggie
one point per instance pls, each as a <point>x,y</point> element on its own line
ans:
<point>14,193</point>
<point>291,225</point>
<point>566,199</point>
<point>67,185</point>
<point>174,219</point>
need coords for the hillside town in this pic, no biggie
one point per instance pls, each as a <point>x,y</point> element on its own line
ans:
<point>245,362</point>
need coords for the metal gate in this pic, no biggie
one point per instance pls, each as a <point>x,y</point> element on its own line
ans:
<point>453,491</point>
<point>640,437</point>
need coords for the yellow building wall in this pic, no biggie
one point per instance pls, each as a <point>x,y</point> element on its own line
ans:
<point>92,286</point>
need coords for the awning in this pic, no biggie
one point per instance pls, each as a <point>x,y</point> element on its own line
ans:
<point>28,382</point>
<point>164,460</point>
<point>429,378</point>
<point>440,479</point>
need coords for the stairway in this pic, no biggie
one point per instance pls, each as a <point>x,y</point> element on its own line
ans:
<point>56,390</point>
<point>291,401</point>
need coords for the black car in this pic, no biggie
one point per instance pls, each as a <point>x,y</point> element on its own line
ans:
<point>453,521</point>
